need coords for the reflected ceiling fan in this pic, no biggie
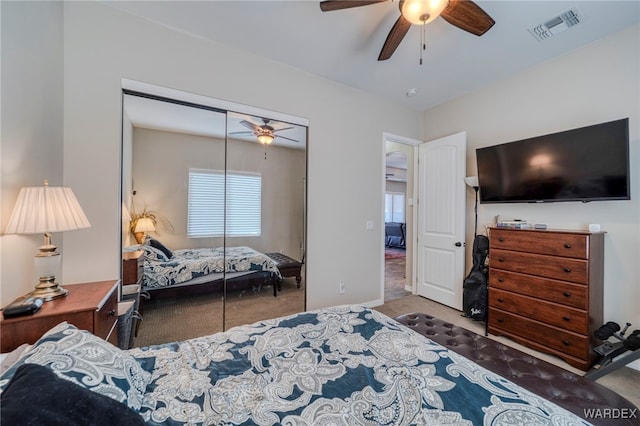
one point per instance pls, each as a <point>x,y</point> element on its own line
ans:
<point>265,132</point>
<point>463,14</point>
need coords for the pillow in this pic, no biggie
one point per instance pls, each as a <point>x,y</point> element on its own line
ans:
<point>157,244</point>
<point>152,253</point>
<point>88,361</point>
<point>37,396</point>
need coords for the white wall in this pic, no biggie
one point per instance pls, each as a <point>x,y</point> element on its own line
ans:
<point>103,45</point>
<point>32,75</point>
<point>598,83</point>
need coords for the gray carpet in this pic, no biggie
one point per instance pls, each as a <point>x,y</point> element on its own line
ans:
<point>174,319</point>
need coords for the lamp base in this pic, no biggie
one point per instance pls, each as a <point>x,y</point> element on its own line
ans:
<point>139,237</point>
<point>48,289</point>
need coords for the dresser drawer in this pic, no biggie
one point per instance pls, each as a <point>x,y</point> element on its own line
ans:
<point>570,319</point>
<point>545,335</point>
<point>566,269</point>
<point>568,294</point>
<point>541,242</point>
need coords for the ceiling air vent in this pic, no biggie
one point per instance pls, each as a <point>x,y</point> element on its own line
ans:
<point>556,25</point>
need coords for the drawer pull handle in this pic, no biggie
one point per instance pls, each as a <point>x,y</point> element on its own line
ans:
<point>566,294</point>
<point>567,245</point>
<point>567,270</point>
<point>566,342</point>
<point>500,299</point>
<point>501,239</point>
<point>500,280</point>
<point>566,318</point>
<point>500,320</point>
<point>112,313</point>
<point>501,259</point>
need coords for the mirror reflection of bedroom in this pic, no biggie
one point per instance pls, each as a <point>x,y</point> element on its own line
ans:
<point>213,228</point>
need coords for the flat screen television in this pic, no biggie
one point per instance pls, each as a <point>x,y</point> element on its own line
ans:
<point>586,164</point>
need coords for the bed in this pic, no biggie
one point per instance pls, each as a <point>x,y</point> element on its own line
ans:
<point>200,269</point>
<point>341,365</point>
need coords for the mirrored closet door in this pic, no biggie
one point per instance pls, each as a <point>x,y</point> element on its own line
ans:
<point>213,221</point>
<point>264,233</point>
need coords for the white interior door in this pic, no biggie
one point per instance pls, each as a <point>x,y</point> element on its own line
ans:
<point>441,219</point>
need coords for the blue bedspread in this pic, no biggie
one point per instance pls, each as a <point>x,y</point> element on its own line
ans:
<point>345,365</point>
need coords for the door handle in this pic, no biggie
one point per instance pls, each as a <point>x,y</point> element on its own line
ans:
<point>458,244</point>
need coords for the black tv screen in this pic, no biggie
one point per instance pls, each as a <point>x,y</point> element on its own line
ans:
<point>586,164</point>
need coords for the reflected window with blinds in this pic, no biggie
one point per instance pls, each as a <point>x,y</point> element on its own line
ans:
<point>206,203</point>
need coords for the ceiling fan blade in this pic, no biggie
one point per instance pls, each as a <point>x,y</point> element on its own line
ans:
<point>284,128</point>
<point>467,16</point>
<point>394,38</point>
<point>331,5</point>
<point>249,125</point>
<point>241,133</point>
<point>284,137</point>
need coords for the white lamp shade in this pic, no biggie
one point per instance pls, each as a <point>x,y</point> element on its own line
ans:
<point>144,224</point>
<point>45,209</point>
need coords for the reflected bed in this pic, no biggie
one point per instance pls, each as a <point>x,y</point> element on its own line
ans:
<point>204,269</point>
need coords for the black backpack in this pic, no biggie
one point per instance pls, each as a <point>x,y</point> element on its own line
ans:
<point>474,294</point>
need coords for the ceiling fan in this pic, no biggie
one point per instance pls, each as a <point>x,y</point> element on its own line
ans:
<point>265,132</point>
<point>463,14</point>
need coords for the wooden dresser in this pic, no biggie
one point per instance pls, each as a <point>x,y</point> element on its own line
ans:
<point>546,290</point>
<point>89,306</point>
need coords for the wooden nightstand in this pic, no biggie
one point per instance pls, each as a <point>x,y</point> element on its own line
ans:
<point>132,267</point>
<point>88,306</point>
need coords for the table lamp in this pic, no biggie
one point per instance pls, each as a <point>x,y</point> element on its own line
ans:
<point>142,226</point>
<point>43,210</point>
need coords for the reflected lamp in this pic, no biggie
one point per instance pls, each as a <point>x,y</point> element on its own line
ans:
<point>265,138</point>
<point>143,225</point>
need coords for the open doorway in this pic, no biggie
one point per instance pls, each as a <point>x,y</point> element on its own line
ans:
<point>437,222</point>
<point>398,218</point>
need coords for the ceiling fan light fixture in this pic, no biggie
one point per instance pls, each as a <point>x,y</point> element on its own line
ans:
<point>265,138</point>
<point>420,12</point>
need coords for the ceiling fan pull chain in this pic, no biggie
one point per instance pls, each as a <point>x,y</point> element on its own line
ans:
<point>423,41</point>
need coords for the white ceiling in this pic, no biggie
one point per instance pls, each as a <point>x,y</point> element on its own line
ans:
<point>344,45</point>
<point>173,117</point>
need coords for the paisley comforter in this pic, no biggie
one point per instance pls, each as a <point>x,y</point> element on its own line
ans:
<point>345,365</point>
<point>188,264</point>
